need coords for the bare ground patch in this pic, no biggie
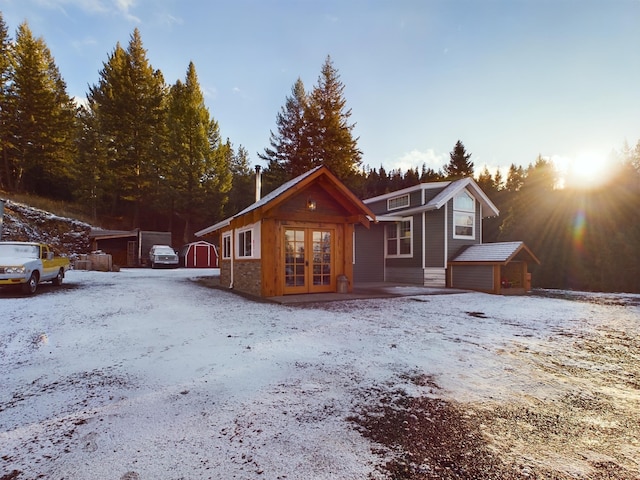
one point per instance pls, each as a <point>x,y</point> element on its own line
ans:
<point>581,424</point>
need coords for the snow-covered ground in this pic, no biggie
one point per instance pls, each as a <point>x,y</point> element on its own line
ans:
<point>149,374</point>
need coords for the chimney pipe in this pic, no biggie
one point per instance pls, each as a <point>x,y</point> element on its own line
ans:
<point>258,183</point>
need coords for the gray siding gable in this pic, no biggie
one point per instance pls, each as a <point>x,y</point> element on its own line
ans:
<point>378,205</point>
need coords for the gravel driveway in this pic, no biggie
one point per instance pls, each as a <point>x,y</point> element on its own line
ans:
<point>151,374</point>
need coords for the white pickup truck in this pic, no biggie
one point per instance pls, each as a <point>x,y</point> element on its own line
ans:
<point>29,263</point>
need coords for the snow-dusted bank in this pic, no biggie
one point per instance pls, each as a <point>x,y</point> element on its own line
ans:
<point>150,374</point>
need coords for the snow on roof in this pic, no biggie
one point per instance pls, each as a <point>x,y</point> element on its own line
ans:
<point>490,252</point>
<point>456,187</point>
<point>450,190</point>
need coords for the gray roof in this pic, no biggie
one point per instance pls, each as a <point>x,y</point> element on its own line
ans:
<point>490,252</point>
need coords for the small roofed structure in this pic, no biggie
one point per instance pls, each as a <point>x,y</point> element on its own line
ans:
<point>128,248</point>
<point>500,268</point>
<point>298,239</point>
<point>199,254</point>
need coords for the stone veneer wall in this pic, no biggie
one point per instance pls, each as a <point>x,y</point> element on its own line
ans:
<point>247,277</point>
<point>225,273</point>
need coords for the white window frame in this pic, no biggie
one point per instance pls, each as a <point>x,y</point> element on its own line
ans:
<point>398,238</point>
<point>226,245</point>
<point>464,211</point>
<point>239,247</point>
<point>401,201</point>
<point>242,243</point>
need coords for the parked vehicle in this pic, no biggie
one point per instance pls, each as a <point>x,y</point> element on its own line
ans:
<point>163,256</point>
<point>27,264</point>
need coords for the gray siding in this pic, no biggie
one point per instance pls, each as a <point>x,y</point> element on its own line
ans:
<point>415,198</point>
<point>405,275</point>
<point>369,255</point>
<point>472,277</point>
<point>430,193</point>
<point>434,248</point>
<point>455,244</point>
<point>378,207</point>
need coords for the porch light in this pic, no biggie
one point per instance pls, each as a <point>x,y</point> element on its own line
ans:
<point>311,204</point>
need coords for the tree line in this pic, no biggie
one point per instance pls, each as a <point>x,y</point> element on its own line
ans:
<point>140,153</point>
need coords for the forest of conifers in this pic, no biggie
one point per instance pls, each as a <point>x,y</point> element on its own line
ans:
<point>139,153</point>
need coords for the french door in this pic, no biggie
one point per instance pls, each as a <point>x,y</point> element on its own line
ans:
<point>308,260</point>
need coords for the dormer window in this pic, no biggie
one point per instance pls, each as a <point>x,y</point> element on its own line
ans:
<point>398,202</point>
<point>464,215</point>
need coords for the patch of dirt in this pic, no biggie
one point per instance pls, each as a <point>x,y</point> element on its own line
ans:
<point>581,424</point>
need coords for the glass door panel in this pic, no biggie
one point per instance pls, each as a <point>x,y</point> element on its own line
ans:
<point>308,260</point>
<point>321,266</point>
<point>294,262</point>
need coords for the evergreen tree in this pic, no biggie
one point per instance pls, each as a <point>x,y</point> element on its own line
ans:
<point>242,193</point>
<point>128,102</point>
<point>429,174</point>
<point>498,181</point>
<point>44,119</point>
<point>333,143</point>
<point>7,125</point>
<point>411,178</point>
<point>92,189</point>
<point>485,182</point>
<point>515,178</point>
<point>313,130</point>
<point>197,162</point>
<point>459,165</point>
<point>290,154</point>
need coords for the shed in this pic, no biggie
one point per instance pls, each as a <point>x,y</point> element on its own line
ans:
<point>298,239</point>
<point>199,254</point>
<point>500,268</point>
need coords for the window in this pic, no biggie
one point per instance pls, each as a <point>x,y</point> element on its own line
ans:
<point>398,202</point>
<point>226,245</point>
<point>464,215</point>
<point>245,243</point>
<point>399,239</point>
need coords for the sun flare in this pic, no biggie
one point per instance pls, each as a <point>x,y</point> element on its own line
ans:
<point>587,169</point>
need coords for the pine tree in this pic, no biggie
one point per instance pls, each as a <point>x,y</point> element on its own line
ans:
<point>91,164</point>
<point>313,130</point>
<point>459,165</point>
<point>197,162</point>
<point>128,102</point>
<point>7,168</point>
<point>486,183</point>
<point>242,193</point>
<point>44,119</point>
<point>290,153</point>
<point>332,140</point>
<point>515,178</point>
<point>428,174</point>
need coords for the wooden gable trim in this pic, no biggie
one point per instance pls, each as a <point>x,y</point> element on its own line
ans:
<point>523,249</point>
<point>331,184</point>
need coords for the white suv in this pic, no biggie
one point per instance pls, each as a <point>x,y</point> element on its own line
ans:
<point>163,256</point>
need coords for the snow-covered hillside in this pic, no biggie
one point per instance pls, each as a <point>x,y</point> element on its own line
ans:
<point>24,223</point>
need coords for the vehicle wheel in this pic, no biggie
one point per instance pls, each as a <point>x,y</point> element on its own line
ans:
<point>57,281</point>
<point>31,286</point>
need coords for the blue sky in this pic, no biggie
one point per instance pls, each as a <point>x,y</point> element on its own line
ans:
<point>511,79</point>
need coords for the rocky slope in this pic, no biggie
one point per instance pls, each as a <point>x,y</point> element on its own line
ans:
<point>65,235</point>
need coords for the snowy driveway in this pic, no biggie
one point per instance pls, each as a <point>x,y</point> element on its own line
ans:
<point>148,374</point>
